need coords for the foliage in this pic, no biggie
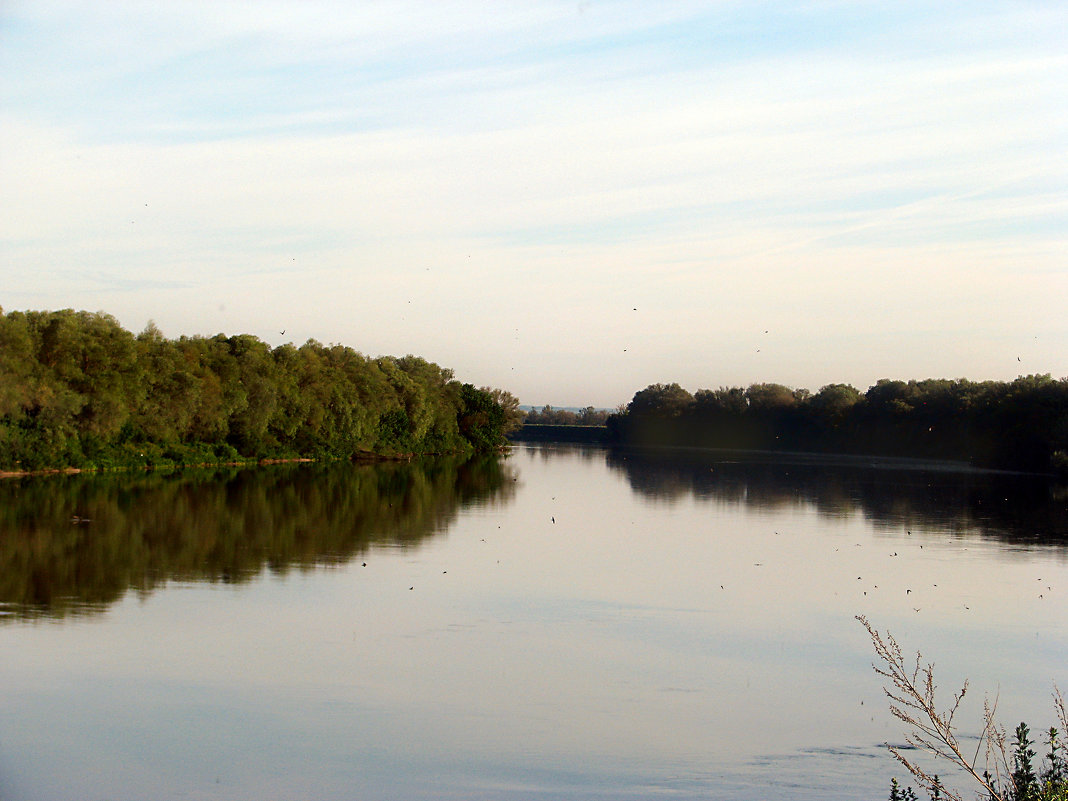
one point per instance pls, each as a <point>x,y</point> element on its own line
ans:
<point>548,416</point>
<point>485,416</point>
<point>897,794</point>
<point>77,390</point>
<point>1021,425</point>
<point>911,692</point>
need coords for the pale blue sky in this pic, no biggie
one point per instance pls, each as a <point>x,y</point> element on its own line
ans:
<point>567,200</point>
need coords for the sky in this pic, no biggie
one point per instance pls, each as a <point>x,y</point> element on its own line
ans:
<point>567,200</point>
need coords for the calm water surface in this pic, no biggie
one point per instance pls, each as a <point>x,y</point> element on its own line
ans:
<point>565,623</point>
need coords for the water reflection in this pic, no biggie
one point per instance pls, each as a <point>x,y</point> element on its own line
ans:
<point>1011,508</point>
<point>611,626</point>
<point>73,545</point>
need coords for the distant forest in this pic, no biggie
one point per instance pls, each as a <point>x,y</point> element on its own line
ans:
<point>1016,425</point>
<point>548,416</point>
<point>78,390</point>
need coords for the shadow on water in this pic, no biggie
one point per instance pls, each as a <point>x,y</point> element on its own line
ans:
<point>1014,509</point>
<point>72,545</point>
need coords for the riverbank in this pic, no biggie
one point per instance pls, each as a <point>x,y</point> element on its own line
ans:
<point>362,457</point>
<point>537,432</point>
<point>71,471</point>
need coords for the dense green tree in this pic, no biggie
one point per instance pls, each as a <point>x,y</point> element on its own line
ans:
<point>661,400</point>
<point>486,415</point>
<point>770,397</point>
<point>76,389</point>
<point>17,360</point>
<point>1022,424</point>
<point>725,401</point>
<point>171,390</point>
<point>509,403</point>
<point>834,401</point>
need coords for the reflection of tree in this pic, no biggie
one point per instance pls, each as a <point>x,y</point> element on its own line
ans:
<point>1017,509</point>
<point>77,543</point>
<point>547,451</point>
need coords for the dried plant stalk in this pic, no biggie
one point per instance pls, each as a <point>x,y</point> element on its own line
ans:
<point>911,691</point>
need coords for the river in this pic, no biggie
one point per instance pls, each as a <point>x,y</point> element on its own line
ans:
<point>566,622</point>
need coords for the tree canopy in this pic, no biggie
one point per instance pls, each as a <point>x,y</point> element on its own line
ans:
<point>1020,424</point>
<point>548,416</point>
<point>76,389</point>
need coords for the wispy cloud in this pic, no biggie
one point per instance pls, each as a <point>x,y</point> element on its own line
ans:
<point>856,171</point>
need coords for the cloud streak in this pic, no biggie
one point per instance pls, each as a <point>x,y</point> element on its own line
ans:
<point>432,177</point>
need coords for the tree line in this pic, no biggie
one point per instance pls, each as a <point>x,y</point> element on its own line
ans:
<point>1019,425</point>
<point>548,416</point>
<point>78,390</point>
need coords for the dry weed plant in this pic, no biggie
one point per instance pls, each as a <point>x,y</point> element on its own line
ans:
<point>911,691</point>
